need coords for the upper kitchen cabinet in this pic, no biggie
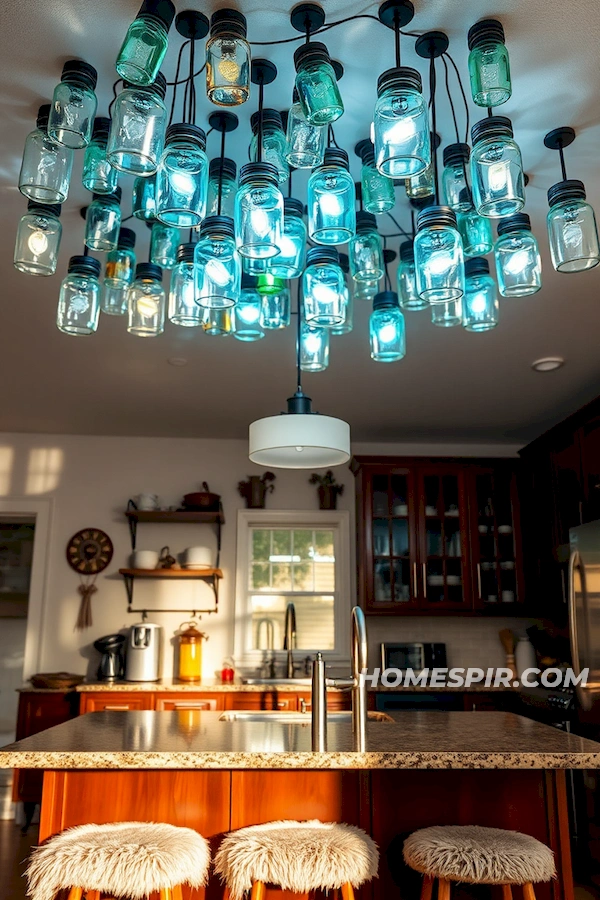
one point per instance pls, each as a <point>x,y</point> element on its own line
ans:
<point>439,536</point>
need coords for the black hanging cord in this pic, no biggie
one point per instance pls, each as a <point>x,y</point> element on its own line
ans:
<point>302,37</point>
<point>400,228</point>
<point>432,86</point>
<point>464,96</point>
<point>290,182</point>
<point>489,112</point>
<point>563,168</point>
<point>455,121</point>
<point>176,82</point>
<point>413,221</point>
<point>397,35</point>
<point>331,141</point>
<point>222,157</point>
<point>387,281</point>
<point>259,134</point>
<point>191,111</point>
<point>114,99</point>
<point>299,337</point>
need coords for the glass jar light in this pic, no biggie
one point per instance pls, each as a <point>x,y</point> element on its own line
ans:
<point>407,279</point>
<point>218,322</point>
<point>276,309</point>
<point>137,132</point>
<point>38,239</point>
<point>305,143</point>
<point>183,308</point>
<point>489,68</point>
<point>247,312</point>
<point>146,42</point>
<point>146,302</point>
<point>182,177</point>
<point>274,146</point>
<point>331,200</point>
<point>316,84</point>
<point>227,59</point>
<point>377,190</point>
<point>292,248</point>
<point>314,348</point>
<point>103,220</point>
<point>347,325</point>
<point>99,177</point>
<point>218,266</point>
<point>221,177</point>
<point>387,328</point>
<point>144,198</point>
<point>120,263</point>
<point>254,267</point>
<point>46,166</point>
<point>74,104</point>
<point>164,241</point>
<point>113,300</point>
<point>401,124</point>
<point>447,315</point>
<point>475,231</point>
<point>366,249</point>
<point>572,230</point>
<point>439,262</point>
<point>79,300</point>
<point>365,290</point>
<point>258,211</point>
<point>517,255</point>
<point>454,177</point>
<point>496,169</point>
<point>323,288</point>
<point>480,303</point>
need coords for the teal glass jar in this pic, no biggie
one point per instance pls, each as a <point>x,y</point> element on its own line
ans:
<point>146,302</point>
<point>146,42</point>
<point>314,348</point>
<point>38,239</point>
<point>387,329</point>
<point>144,198</point>
<point>73,107</point>
<point>323,288</point>
<point>407,279</point>
<point>46,167</point>
<point>137,132</point>
<point>364,290</point>
<point>439,261</point>
<point>401,124</point>
<point>422,186</point>
<point>79,300</point>
<point>331,200</point>
<point>378,194</point>
<point>222,182</point>
<point>572,230</point>
<point>217,264</point>
<point>276,310</point>
<point>454,177</point>
<point>247,312</point>
<point>480,303</point>
<point>292,248</point>
<point>99,177</point>
<point>182,177</point>
<point>347,325</point>
<point>366,249</point>
<point>496,169</point>
<point>120,263</point>
<point>103,221</point>
<point>258,212</point>
<point>517,256</point>
<point>489,67</point>
<point>227,59</point>
<point>475,231</point>
<point>305,143</point>
<point>254,267</point>
<point>447,315</point>
<point>183,309</point>
<point>317,86</point>
<point>164,241</point>
<point>274,146</point>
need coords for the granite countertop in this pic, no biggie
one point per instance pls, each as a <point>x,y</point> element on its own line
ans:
<point>210,687</point>
<point>202,740</point>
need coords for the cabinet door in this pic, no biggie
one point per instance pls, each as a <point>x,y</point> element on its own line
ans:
<point>260,700</point>
<point>336,701</point>
<point>115,701</point>
<point>568,490</point>
<point>38,711</point>
<point>188,701</point>
<point>590,464</point>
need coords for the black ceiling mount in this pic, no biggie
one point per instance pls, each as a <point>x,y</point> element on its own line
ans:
<point>192,25</point>
<point>559,138</point>
<point>435,141</point>
<point>404,9</point>
<point>223,121</point>
<point>307,17</point>
<point>363,145</point>
<point>431,44</point>
<point>389,256</point>
<point>338,68</point>
<point>83,212</point>
<point>263,71</point>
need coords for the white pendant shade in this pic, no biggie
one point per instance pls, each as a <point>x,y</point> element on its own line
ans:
<point>296,441</point>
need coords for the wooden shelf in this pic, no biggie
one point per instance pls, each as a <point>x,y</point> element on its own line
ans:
<point>172,573</point>
<point>176,515</point>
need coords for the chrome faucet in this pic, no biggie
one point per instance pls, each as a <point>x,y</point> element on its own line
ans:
<point>290,638</point>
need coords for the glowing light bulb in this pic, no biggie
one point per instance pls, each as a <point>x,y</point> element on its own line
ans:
<point>287,246</point>
<point>388,333</point>
<point>78,304</point>
<point>261,223</point>
<point>37,242</point>
<point>330,205</point>
<point>312,342</point>
<point>324,293</point>
<point>439,262</point>
<point>228,66</point>
<point>147,306</point>
<point>516,262</point>
<point>497,177</point>
<point>250,313</point>
<point>218,272</point>
<point>477,303</point>
<point>401,131</point>
<point>183,182</point>
<point>299,449</point>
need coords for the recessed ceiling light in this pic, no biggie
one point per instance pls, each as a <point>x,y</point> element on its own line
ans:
<point>547,364</point>
<point>177,361</point>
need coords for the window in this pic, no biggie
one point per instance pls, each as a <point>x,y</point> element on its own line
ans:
<point>292,557</point>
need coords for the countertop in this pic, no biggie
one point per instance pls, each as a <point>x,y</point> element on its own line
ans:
<point>210,687</point>
<point>415,740</point>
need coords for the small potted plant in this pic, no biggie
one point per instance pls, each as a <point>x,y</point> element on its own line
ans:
<point>328,489</point>
<point>255,489</point>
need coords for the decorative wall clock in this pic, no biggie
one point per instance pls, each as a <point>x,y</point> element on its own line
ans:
<point>89,552</point>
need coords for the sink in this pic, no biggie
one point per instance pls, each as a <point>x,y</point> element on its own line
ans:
<point>304,681</point>
<point>296,718</point>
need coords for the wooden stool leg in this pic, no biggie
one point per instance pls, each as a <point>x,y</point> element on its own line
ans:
<point>177,892</point>
<point>166,894</point>
<point>258,891</point>
<point>92,895</point>
<point>506,892</point>
<point>75,893</point>
<point>347,891</point>
<point>427,887</point>
<point>225,893</point>
<point>528,892</point>
<point>443,889</point>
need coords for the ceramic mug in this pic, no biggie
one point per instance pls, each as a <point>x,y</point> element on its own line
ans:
<point>194,557</point>
<point>144,559</point>
<point>147,501</point>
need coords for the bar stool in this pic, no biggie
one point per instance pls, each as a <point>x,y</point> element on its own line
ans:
<point>296,856</point>
<point>477,855</point>
<point>123,859</point>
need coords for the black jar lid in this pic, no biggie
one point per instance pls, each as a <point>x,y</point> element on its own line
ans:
<point>126,239</point>
<point>436,215</point>
<point>84,265</point>
<point>318,255</point>
<point>221,226</point>
<point>228,20</point>
<point>465,196</point>
<point>115,196</point>
<point>407,251</point>
<point>258,170</point>
<point>159,87</point>
<point>518,222</point>
<point>493,126</point>
<point>485,31</point>
<point>185,252</point>
<point>50,209</point>
<point>101,128</point>
<point>454,154</point>
<point>402,78</point>
<point>229,167</point>
<point>476,265</point>
<point>183,131</point>
<point>333,156</point>
<point>248,282</point>
<point>161,10</point>
<point>313,52</point>
<point>293,207</point>
<point>386,300</point>
<point>365,221</point>
<point>344,263</point>
<point>148,272</point>
<point>571,189</point>
<point>367,155</point>
<point>42,116</point>
<point>76,71</point>
<point>271,119</point>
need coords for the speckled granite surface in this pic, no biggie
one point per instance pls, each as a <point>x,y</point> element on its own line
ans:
<point>416,740</point>
<point>281,687</point>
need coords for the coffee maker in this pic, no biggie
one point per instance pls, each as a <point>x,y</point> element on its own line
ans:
<point>142,662</point>
<point>111,663</point>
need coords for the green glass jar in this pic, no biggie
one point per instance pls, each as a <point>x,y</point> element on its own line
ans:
<point>144,198</point>
<point>164,242</point>
<point>475,230</point>
<point>377,190</point>
<point>489,67</point>
<point>146,42</point>
<point>316,84</point>
<point>274,145</point>
<point>99,177</point>
<point>120,263</point>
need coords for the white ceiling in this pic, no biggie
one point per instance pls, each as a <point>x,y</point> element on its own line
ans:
<point>451,386</point>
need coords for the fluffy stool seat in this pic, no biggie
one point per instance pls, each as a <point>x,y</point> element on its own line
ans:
<point>124,859</point>
<point>479,855</point>
<point>297,856</point>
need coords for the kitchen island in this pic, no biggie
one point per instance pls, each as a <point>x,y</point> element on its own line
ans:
<point>216,771</point>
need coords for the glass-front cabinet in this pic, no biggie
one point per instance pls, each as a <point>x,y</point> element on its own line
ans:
<point>391,539</point>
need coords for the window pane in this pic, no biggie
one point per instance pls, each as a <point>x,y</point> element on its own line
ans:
<point>303,576</point>
<point>282,545</point>
<point>314,622</point>
<point>303,544</point>
<point>324,546</point>
<point>282,576</point>
<point>259,576</point>
<point>324,576</point>
<point>261,543</point>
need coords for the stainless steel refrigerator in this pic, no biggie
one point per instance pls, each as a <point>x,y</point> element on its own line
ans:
<point>584,611</point>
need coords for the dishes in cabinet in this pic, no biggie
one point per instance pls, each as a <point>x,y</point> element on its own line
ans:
<point>504,529</point>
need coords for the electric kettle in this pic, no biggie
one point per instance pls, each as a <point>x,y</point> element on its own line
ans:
<point>144,646</point>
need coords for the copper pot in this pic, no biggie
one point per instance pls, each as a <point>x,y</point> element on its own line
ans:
<point>202,500</point>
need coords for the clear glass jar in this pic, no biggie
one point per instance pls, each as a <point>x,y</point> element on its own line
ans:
<point>218,322</point>
<point>489,68</point>
<point>248,312</point>
<point>366,249</point>
<point>401,124</point>
<point>254,267</point>
<point>517,255</point>
<point>182,177</point>
<point>46,167</point>
<point>164,242</point>
<point>276,310</point>
<point>74,104</point>
<point>227,59</point>
<point>79,300</point>
<point>475,231</point>
<point>387,328</point>
<point>137,132</point>
<point>146,302</point>
<point>38,240</point>
<point>292,256</point>
<point>439,262</point>
<point>99,177</point>
<point>422,185</point>
<point>365,290</point>
<point>407,279</point>
<point>144,198</point>
<point>314,348</point>
<point>146,42</point>
<point>102,221</point>
<point>496,169</point>
<point>183,308</point>
<point>305,143</point>
<point>347,325</point>
<point>258,211</point>
<point>454,177</point>
<point>323,288</point>
<point>331,200</point>
<point>377,190</point>
<point>218,266</point>
<point>447,315</point>
<point>316,84</point>
<point>113,300</point>
<point>480,305</point>
<point>120,263</point>
<point>274,145</point>
<point>221,173</point>
<point>572,229</point>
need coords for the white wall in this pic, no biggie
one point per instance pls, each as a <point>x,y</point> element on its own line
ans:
<point>90,480</point>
